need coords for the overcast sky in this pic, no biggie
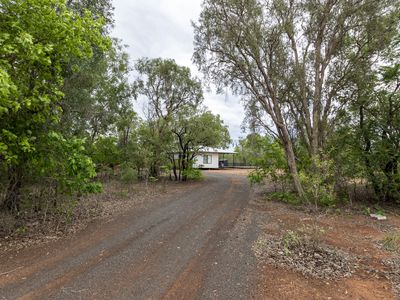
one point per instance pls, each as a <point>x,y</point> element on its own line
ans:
<point>162,28</point>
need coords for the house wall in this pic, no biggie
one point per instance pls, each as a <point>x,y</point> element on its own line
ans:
<point>199,161</point>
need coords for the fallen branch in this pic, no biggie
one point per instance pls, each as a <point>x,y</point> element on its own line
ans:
<point>8,272</point>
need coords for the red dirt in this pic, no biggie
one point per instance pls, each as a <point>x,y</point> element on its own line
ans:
<point>358,235</point>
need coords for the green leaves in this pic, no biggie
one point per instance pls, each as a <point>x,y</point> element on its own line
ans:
<point>167,86</point>
<point>39,40</point>
<point>65,161</point>
<point>39,37</point>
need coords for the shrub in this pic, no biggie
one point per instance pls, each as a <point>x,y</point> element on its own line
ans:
<point>68,164</point>
<point>320,185</point>
<point>286,197</point>
<point>193,174</point>
<point>391,241</point>
<point>128,175</point>
<point>257,176</point>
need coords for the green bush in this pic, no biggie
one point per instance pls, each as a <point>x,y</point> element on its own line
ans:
<point>193,174</point>
<point>67,163</point>
<point>391,242</point>
<point>286,197</point>
<point>105,151</point>
<point>128,175</point>
<point>257,176</point>
<point>320,186</point>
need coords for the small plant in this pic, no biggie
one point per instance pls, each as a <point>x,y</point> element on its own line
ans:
<point>391,242</point>
<point>286,197</point>
<point>123,194</point>
<point>312,233</point>
<point>193,174</point>
<point>153,179</point>
<point>291,240</point>
<point>21,229</point>
<point>380,212</point>
<point>367,211</point>
<point>307,235</point>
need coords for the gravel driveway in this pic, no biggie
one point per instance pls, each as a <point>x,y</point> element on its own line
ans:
<point>195,246</point>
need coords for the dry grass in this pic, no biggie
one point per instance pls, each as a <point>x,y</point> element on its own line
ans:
<point>302,250</point>
<point>391,241</point>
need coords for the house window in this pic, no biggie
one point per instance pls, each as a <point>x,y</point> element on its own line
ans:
<point>207,159</point>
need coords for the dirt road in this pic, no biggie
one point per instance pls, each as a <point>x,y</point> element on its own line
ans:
<point>195,246</point>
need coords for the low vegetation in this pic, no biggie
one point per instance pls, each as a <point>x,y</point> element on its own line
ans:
<point>302,250</point>
<point>391,242</point>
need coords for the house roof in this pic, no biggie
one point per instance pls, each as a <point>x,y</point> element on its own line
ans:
<point>219,151</point>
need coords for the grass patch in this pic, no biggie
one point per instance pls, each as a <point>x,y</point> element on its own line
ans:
<point>391,241</point>
<point>303,251</point>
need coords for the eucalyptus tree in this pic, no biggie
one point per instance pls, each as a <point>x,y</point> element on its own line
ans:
<point>99,8</point>
<point>292,61</point>
<point>167,88</point>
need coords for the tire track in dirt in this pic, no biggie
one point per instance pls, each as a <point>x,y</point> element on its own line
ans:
<point>129,277</point>
<point>81,245</point>
<point>190,281</point>
<point>118,264</point>
<point>88,264</point>
<point>151,265</point>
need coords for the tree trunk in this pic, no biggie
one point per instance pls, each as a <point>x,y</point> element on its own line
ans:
<point>390,171</point>
<point>183,166</point>
<point>291,159</point>
<point>13,194</point>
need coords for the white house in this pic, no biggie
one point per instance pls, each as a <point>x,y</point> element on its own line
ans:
<point>210,158</point>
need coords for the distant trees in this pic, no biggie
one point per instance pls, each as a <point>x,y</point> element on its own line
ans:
<point>168,89</point>
<point>176,124</point>
<point>300,64</point>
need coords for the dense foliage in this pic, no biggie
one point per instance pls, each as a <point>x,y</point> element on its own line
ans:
<point>35,49</point>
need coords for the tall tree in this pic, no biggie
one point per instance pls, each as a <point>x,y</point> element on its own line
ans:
<point>168,88</point>
<point>292,60</point>
<point>376,124</point>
